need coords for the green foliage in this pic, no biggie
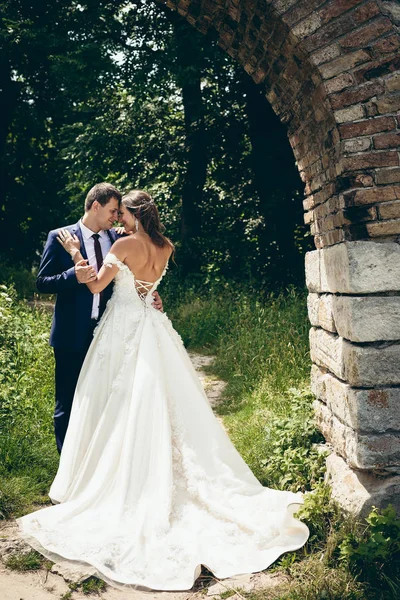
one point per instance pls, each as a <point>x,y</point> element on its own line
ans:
<point>28,457</point>
<point>373,552</point>
<point>321,514</point>
<point>292,459</point>
<point>23,280</point>
<point>24,561</point>
<point>94,92</point>
<point>93,585</point>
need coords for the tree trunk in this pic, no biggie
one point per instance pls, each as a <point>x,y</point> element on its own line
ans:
<point>9,92</point>
<point>188,74</point>
<point>277,185</point>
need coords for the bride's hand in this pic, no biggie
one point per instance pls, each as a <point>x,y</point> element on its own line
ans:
<point>69,242</point>
<point>122,231</point>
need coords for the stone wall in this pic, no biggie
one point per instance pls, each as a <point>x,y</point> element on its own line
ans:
<point>331,71</point>
<point>354,310</point>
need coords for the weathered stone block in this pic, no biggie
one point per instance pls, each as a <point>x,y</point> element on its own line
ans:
<point>374,410</point>
<point>388,104</point>
<point>354,268</point>
<point>356,491</point>
<point>307,26</point>
<point>313,266</point>
<point>352,113</point>
<point>366,318</point>
<point>375,452</point>
<point>359,144</point>
<point>360,366</point>
<point>320,311</point>
<point>393,83</point>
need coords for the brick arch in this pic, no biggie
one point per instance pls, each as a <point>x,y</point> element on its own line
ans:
<point>331,71</point>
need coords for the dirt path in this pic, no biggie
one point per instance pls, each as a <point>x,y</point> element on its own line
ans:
<point>53,585</point>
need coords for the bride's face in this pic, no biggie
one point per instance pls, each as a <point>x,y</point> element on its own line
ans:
<point>126,218</point>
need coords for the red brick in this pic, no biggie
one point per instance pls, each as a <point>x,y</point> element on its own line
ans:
<point>329,32</point>
<point>329,239</point>
<point>339,83</point>
<point>343,63</point>
<point>366,127</point>
<point>377,68</point>
<point>364,180</point>
<point>301,9</point>
<point>375,195</point>
<point>387,45</point>
<point>309,217</point>
<point>391,210</point>
<point>388,104</point>
<point>383,228</point>
<point>387,140</point>
<point>334,8</point>
<point>355,95</point>
<point>362,36</point>
<point>370,160</point>
<point>384,176</point>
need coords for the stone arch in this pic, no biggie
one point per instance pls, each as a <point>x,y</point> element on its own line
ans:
<point>331,71</point>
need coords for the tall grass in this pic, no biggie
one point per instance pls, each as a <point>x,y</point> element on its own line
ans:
<point>28,457</point>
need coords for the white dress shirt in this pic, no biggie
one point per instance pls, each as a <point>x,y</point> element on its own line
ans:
<point>105,244</point>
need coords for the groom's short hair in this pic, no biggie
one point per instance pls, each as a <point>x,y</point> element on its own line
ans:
<point>102,193</point>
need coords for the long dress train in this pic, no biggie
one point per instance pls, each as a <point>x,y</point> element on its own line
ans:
<point>149,486</point>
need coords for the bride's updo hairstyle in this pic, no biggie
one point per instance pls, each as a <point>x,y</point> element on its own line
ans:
<point>143,207</point>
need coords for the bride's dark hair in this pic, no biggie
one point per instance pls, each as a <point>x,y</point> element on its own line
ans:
<point>142,206</point>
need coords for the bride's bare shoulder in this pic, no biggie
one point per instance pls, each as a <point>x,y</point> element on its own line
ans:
<point>126,245</point>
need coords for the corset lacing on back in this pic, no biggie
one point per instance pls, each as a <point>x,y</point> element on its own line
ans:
<point>143,288</point>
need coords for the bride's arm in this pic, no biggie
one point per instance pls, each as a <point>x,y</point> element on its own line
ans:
<point>107,273</point>
<point>72,245</point>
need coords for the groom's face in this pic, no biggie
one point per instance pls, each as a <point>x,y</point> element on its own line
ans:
<point>106,215</point>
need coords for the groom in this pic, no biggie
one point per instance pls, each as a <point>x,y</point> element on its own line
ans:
<point>77,310</point>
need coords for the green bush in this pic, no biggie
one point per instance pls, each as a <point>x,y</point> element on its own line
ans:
<point>28,456</point>
<point>20,278</point>
<point>373,551</point>
<point>293,460</point>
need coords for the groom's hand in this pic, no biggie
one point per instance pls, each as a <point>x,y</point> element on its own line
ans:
<point>84,272</point>
<point>157,301</point>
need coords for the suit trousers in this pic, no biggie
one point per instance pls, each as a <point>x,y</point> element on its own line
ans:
<point>68,364</point>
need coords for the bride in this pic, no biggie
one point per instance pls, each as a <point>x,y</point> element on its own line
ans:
<point>149,486</point>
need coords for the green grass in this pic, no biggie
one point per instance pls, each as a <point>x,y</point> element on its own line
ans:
<point>24,561</point>
<point>93,585</point>
<point>28,456</point>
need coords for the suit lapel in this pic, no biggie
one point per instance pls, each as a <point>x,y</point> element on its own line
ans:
<point>78,232</point>
<point>112,234</point>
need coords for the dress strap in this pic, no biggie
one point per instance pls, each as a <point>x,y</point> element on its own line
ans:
<point>111,260</point>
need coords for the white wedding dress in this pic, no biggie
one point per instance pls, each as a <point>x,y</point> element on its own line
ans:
<point>149,485</point>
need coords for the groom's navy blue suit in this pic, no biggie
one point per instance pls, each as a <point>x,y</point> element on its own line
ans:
<point>72,326</point>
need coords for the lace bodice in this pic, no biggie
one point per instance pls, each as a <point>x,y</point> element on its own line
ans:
<point>129,289</point>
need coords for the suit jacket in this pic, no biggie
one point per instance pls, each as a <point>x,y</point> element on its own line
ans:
<point>71,324</point>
